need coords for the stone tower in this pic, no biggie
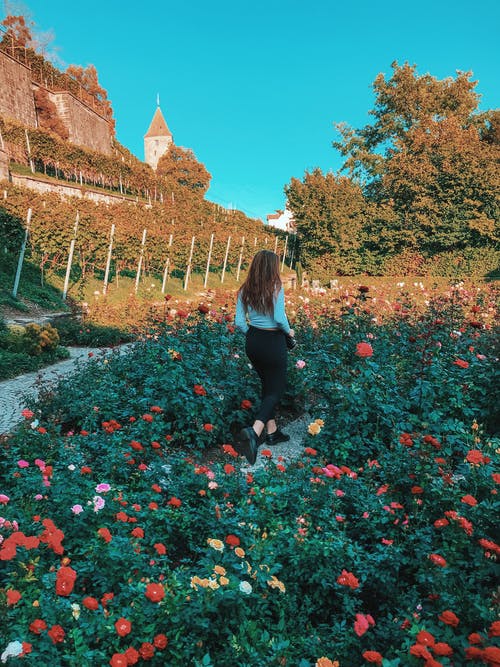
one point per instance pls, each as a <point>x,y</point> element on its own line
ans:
<point>157,139</point>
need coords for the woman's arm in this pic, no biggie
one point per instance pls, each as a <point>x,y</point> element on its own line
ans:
<point>279,312</point>
<point>240,320</point>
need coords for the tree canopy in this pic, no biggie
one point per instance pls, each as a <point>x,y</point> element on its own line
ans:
<point>427,169</point>
<point>178,167</point>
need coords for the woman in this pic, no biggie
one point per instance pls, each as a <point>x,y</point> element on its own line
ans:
<point>260,314</point>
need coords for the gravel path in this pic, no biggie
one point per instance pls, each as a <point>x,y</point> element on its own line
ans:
<point>297,430</point>
<point>13,393</point>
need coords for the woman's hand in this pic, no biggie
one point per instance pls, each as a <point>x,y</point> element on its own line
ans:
<point>292,333</point>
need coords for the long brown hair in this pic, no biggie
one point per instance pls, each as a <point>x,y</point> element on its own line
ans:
<point>263,282</point>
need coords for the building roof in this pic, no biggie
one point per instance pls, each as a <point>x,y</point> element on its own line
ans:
<point>158,127</point>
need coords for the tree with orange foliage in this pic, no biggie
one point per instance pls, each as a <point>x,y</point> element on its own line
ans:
<point>178,167</point>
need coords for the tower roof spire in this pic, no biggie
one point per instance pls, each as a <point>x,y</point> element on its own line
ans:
<point>158,127</point>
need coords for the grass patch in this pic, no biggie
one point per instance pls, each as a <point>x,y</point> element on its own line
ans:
<point>31,291</point>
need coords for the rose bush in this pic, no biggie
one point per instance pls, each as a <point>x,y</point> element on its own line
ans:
<point>132,534</point>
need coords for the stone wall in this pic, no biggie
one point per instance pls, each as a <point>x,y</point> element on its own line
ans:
<point>67,190</point>
<point>16,94</point>
<point>86,128</point>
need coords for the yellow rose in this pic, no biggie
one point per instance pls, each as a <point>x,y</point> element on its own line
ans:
<point>314,428</point>
<point>218,545</point>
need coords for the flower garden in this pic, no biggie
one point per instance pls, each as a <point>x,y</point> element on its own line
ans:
<point>132,533</point>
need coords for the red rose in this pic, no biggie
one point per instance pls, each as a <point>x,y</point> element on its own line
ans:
<point>208,427</point>
<point>174,502</point>
<point>137,446</point>
<point>425,638</point>
<point>65,580</point>
<point>106,598</point>
<point>461,363</point>
<point>348,579</point>
<point>373,656</point>
<point>362,623</point>
<point>364,350</point>
<point>119,660</point>
<point>438,560</point>
<point>132,656</point>
<point>123,627</point>
<point>473,653</point>
<point>155,592</point>
<point>27,648</point>
<point>160,641</point>
<point>105,534</point>
<point>491,655</point>
<point>232,540</point>
<point>37,626</point>
<point>13,596</point>
<point>90,603</point>
<point>419,651</point>
<point>137,532</point>
<point>494,630</point>
<point>147,651</point>
<point>246,404</point>
<point>160,548</point>
<point>442,648</point>
<point>449,618</point>
<point>57,634</point>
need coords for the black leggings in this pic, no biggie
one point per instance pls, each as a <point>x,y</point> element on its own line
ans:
<point>267,351</point>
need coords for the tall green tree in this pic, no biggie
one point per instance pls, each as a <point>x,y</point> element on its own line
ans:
<point>331,214</point>
<point>433,156</point>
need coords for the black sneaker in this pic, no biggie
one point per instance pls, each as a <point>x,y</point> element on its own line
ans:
<point>276,437</point>
<point>247,444</point>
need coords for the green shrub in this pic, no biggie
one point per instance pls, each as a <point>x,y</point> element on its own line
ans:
<point>14,363</point>
<point>73,331</point>
<point>40,338</point>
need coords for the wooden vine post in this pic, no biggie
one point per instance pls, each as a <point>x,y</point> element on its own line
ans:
<point>208,260</point>
<point>276,246</point>
<point>188,267</point>
<point>21,255</point>
<point>284,253</point>
<point>225,259</point>
<point>139,265</point>
<point>108,261</point>
<point>167,266</point>
<point>70,257</point>
<point>32,165</point>
<point>240,259</point>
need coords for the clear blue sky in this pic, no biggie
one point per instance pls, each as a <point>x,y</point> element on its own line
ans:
<point>254,88</point>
